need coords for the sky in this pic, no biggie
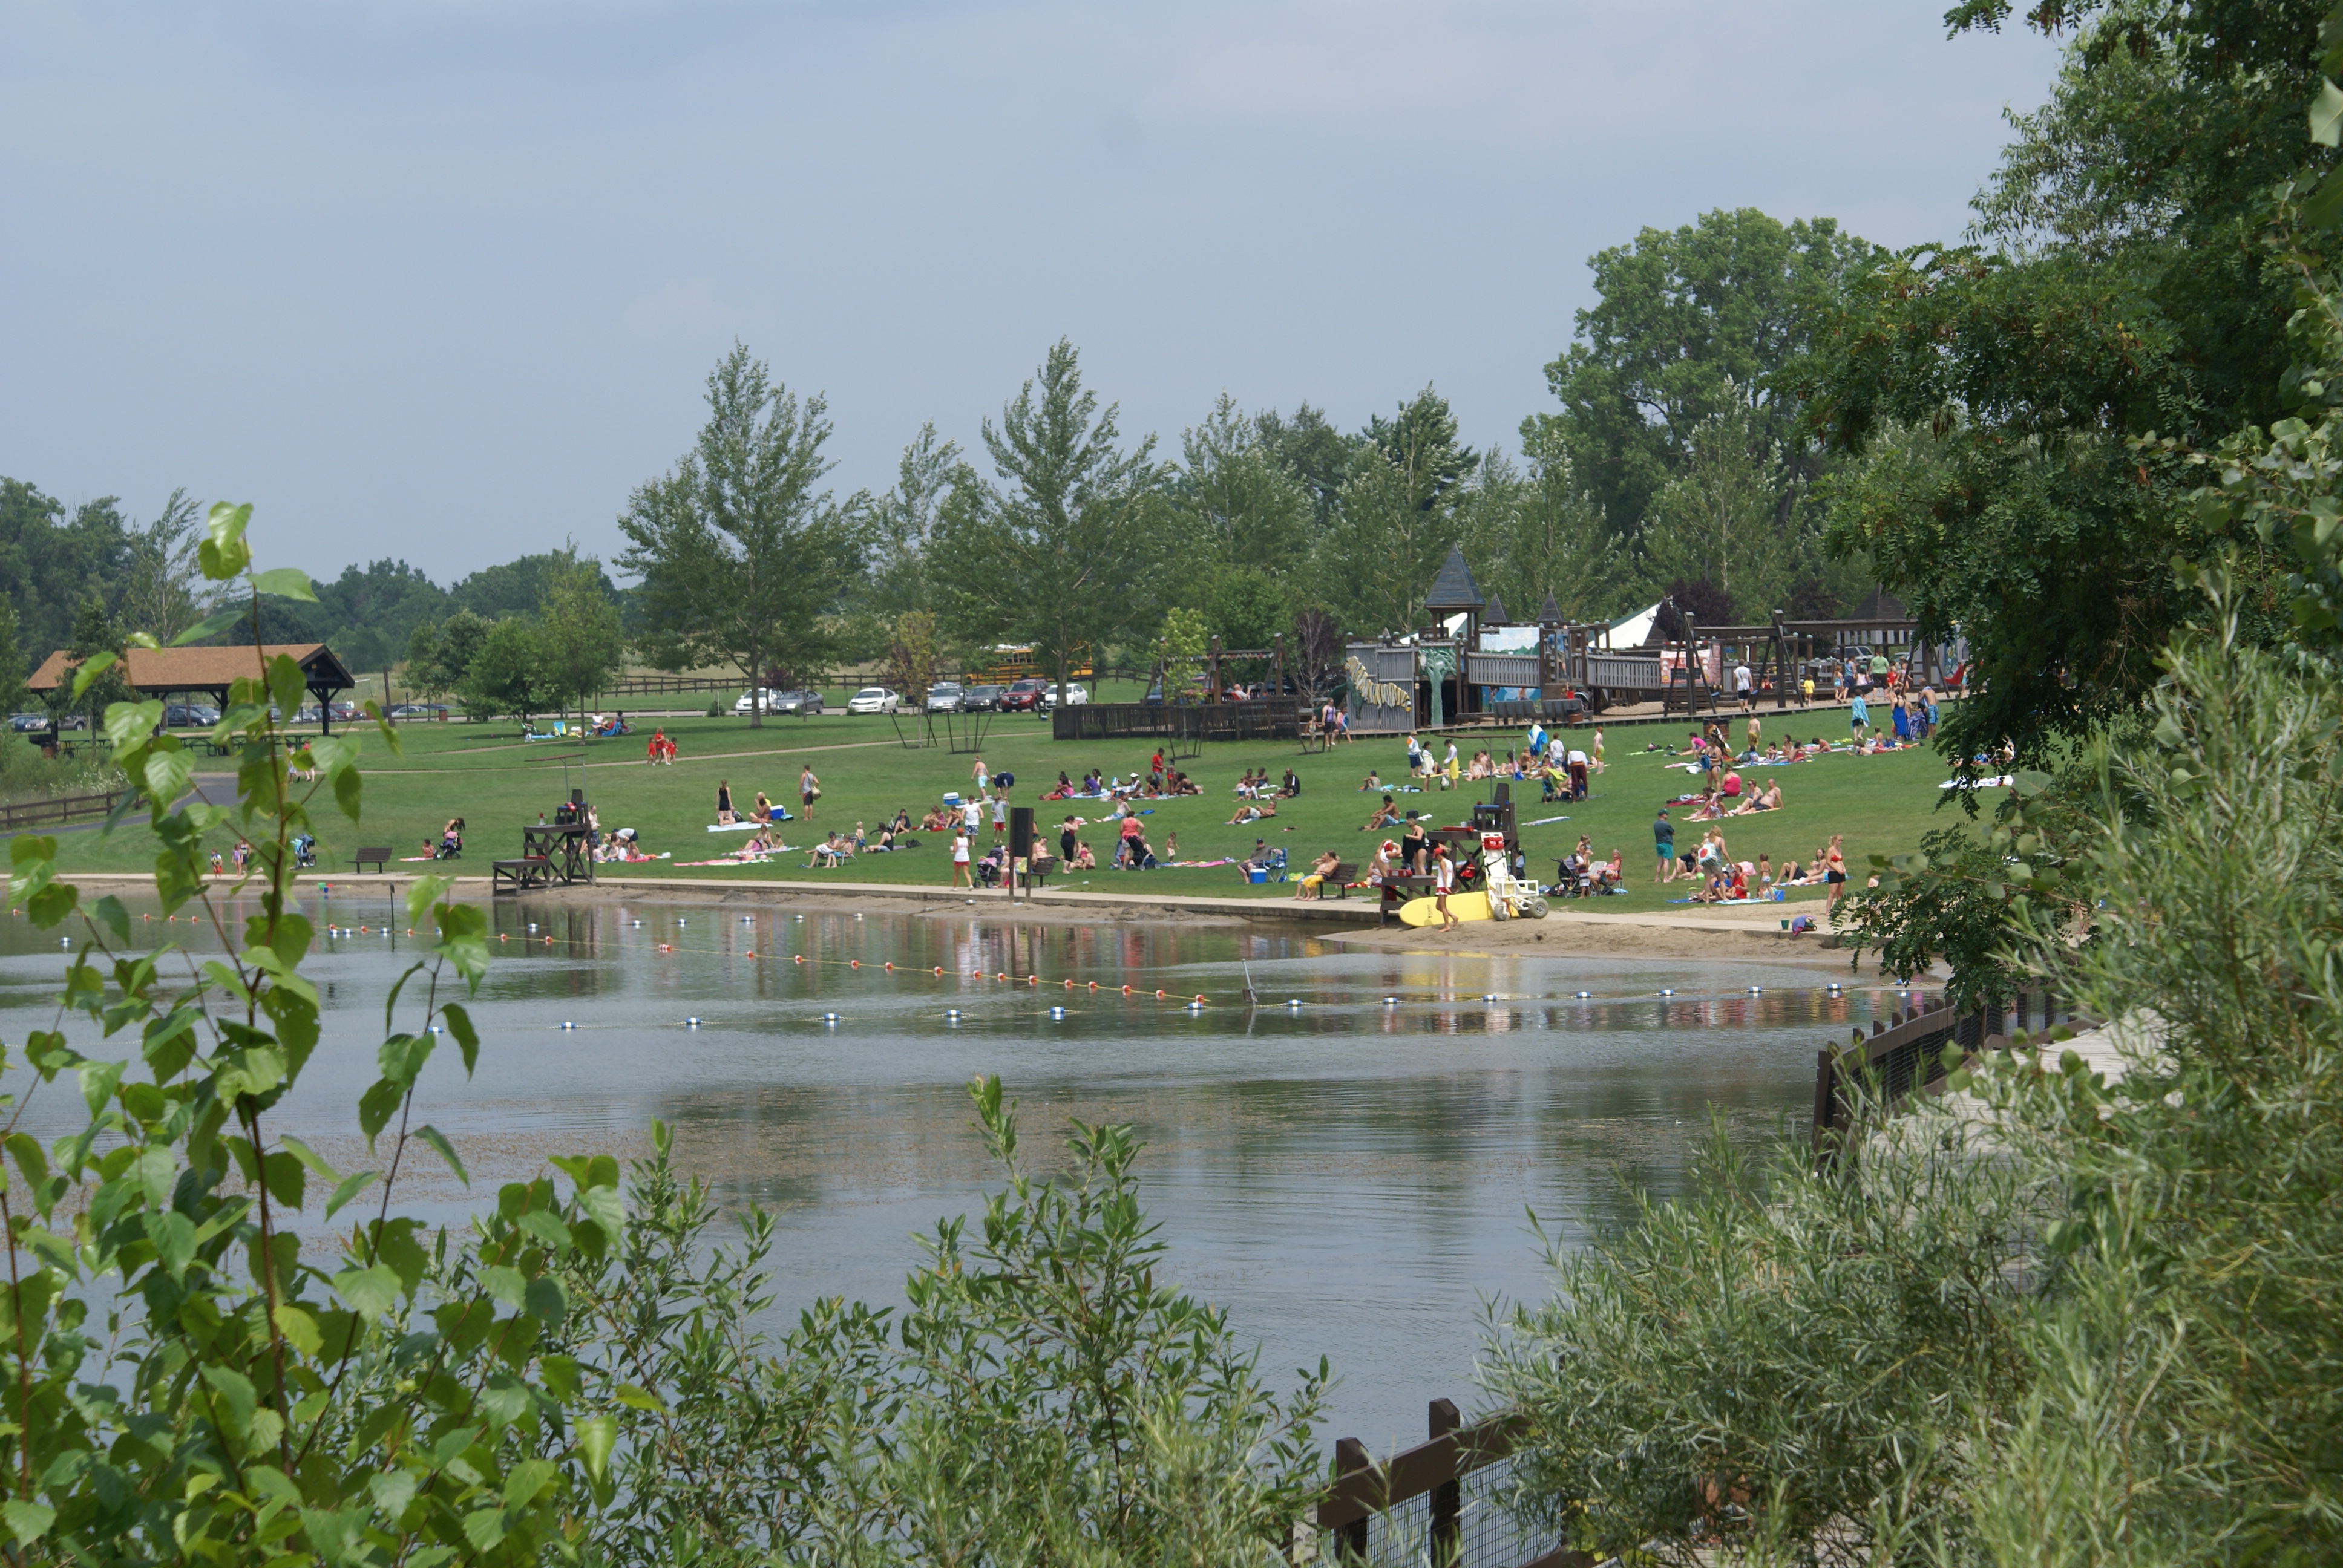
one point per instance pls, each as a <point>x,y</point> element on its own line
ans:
<point>443,279</point>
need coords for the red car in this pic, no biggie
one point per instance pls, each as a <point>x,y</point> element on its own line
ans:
<point>1023,696</point>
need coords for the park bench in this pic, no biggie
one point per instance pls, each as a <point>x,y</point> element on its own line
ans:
<point>1038,868</point>
<point>527,872</point>
<point>379,854</point>
<point>1340,878</point>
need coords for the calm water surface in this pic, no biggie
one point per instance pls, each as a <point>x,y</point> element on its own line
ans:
<point>1350,1176</point>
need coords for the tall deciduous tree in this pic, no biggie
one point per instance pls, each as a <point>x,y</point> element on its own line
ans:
<point>1541,535</point>
<point>162,593</point>
<point>1396,518</point>
<point>507,674</point>
<point>1058,552</point>
<point>578,636</point>
<point>740,550</point>
<point>1684,317</point>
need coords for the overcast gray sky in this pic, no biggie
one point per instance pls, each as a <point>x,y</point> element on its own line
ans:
<point>443,278</point>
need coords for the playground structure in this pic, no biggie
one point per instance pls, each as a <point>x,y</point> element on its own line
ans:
<point>1473,667</point>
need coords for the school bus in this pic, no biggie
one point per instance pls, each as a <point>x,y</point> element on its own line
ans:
<point>1011,663</point>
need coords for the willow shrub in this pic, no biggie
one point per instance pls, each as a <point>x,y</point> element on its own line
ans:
<point>2072,1322</point>
<point>574,1376</point>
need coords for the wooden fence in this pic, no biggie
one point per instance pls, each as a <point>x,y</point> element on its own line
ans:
<point>669,686</point>
<point>1266,718</point>
<point>63,808</point>
<point>1433,1503</point>
<point>1905,1056</point>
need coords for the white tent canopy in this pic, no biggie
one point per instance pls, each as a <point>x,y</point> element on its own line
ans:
<point>1635,630</point>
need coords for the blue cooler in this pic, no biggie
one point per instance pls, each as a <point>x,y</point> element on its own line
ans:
<point>1256,873</point>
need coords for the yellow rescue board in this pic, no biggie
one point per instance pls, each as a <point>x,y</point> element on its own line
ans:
<point>1426,911</point>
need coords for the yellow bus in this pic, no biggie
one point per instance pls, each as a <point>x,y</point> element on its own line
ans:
<point>1011,663</point>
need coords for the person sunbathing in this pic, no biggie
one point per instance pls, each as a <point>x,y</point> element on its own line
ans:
<point>1766,800</point>
<point>1253,813</point>
<point>1386,816</point>
<point>759,845</point>
<point>1316,877</point>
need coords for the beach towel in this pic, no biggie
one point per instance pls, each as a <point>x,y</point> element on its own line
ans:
<point>1998,781</point>
<point>1544,821</point>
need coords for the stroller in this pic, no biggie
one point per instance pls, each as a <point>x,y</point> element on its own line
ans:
<point>305,852</point>
<point>451,842</point>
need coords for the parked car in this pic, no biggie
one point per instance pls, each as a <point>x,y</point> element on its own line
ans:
<point>418,710</point>
<point>982,699</point>
<point>946,697</point>
<point>1023,696</point>
<point>23,723</point>
<point>1076,696</point>
<point>747,702</point>
<point>802,704</point>
<point>344,712</point>
<point>201,715</point>
<point>874,699</point>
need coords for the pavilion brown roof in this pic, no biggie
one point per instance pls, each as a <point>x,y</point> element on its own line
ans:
<point>155,671</point>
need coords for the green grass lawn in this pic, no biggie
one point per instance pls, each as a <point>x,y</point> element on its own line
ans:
<point>499,783</point>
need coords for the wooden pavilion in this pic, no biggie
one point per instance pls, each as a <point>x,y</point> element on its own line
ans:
<point>209,671</point>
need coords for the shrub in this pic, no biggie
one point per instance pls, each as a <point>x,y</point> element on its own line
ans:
<point>560,1380</point>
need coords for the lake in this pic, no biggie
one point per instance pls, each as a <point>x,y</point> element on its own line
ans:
<point>1350,1175</point>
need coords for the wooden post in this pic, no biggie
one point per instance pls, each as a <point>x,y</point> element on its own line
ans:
<point>1351,1539</point>
<point>1212,677</point>
<point>1448,1497</point>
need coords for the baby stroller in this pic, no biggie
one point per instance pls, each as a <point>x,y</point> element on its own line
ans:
<point>305,852</point>
<point>451,842</point>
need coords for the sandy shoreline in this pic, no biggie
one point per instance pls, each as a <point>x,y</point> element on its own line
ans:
<point>1737,934</point>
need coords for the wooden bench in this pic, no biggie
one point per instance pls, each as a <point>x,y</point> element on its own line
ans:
<point>1340,878</point>
<point>379,854</point>
<point>529,871</point>
<point>1038,868</point>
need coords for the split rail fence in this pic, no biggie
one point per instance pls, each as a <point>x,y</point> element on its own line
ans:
<point>63,808</point>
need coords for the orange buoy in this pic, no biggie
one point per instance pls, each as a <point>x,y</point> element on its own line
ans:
<point>800,957</point>
<point>1001,975</point>
<point>752,953</point>
<point>1093,985</point>
<point>1126,991</point>
<point>854,964</point>
<point>1158,996</point>
<point>502,937</point>
<point>891,969</point>
<point>939,968</point>
<point>1069,985</point>
<point>1032,980</point>
<point>1200,996</point>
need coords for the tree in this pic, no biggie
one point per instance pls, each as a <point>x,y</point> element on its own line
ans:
<point>93,633</point>
<point>1719,519</point>
<point>1180,653</point>
<point>579,637</point>
<point>913,656</point>
<point>1542,535</point>
<point>1317,651</point>
<point>1688,322</point>
<point>738,552</point>
<point>1311,452</point>
<point>162,594</point>
<point>1240,505</point>
<point>506,673</point>
<point>2116,288</point>
<point>1057,552</point>
<point>12,660</point>
<point>1396,518</point>
<point>1704,602</point>
<point>49,563</point>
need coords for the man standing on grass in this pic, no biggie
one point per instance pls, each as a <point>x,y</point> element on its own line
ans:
<point>1663,841</point>
<point>1744,684</point>
<point>999,814</point>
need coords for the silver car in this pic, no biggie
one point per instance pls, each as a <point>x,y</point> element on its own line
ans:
<point>946,697</point>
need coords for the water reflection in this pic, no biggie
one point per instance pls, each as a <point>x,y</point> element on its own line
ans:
<point>1350,1174</point>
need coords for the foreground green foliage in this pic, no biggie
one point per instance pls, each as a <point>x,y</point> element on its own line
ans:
<point>2072,1320</point>
<point>561,1380</point>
